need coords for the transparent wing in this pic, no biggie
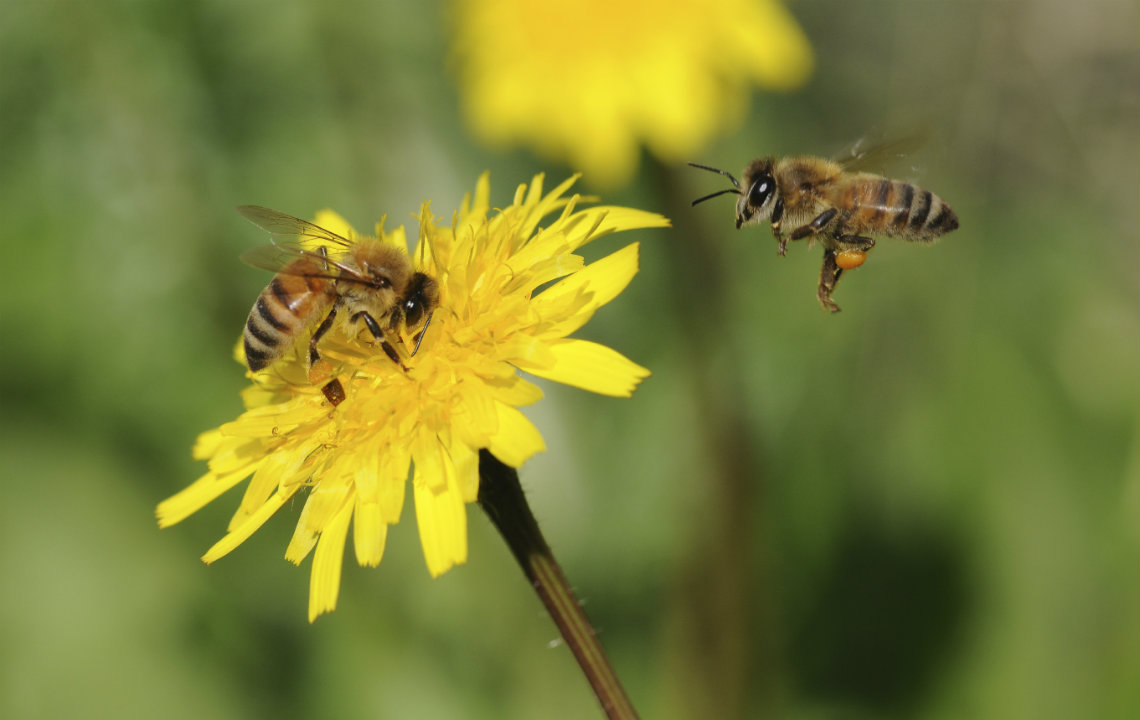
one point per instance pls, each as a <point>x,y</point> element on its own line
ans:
<point>876,156</point>
<point>282,258</point>
<point>278,257</point>
<point>286,229</point>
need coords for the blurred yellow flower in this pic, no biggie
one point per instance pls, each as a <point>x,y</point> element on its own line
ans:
<point>458,396</point>
<point>586,81</point>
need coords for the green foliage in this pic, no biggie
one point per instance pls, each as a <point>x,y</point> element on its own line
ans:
<point>925,506</point>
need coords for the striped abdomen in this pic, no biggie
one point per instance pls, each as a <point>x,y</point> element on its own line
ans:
<point>288,305</point>
<point>874,204</point>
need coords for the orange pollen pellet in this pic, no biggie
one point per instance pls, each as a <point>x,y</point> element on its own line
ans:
<point>850,259</point>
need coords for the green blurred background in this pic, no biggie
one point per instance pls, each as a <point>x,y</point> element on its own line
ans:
<point>926,506</point>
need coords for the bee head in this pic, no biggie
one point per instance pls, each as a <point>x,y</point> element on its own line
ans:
<point>421,299</point>
<point>758,196</point>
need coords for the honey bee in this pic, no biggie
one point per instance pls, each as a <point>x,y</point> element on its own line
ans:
<point>362,281</point>
<point>825,200</point>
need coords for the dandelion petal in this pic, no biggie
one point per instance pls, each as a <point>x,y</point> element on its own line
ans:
<point>324,583</point>
<point>593,367</point>
<point>197,495</point>
<point>369,532</point>
<point>239,534</point>
<point>441,514</point>
<point>517,439</point>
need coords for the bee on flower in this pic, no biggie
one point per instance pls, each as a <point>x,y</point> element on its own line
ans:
<point>344,408</point>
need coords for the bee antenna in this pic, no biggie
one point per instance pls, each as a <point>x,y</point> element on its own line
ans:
<point>727,174</point>
<point>718,193</point>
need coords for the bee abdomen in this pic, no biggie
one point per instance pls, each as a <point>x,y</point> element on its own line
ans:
<point>920,214</point>
<point>273,324</point>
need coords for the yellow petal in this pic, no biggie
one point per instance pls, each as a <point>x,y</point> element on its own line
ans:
<point>595,222</point>
<point>267,479</point>
<point>466,461</point>
<point>275,420</point>
<point>239,534</point>
<point>605,278</point>
<point>324,583</point>
<point>334,221</point>
<point>597,284</point>
<point>207,444</point>
<point>302,542</point>
<point>366,480</point>
<point>441,515</point>
<point>369,531</point>
<point>325,501</point>
<point>393,479</point>
<point>526,352</point>
<point>198,494</point>
<point>517,439</point>
<point>542,271</point>
<point>477,410</point>
<point>233,454</point>
<point>431,467</point>
<point>592,367</point>
<point>540,207</point>
<point>513,390</point>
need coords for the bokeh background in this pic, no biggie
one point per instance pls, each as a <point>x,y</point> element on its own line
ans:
<point>925,506</point>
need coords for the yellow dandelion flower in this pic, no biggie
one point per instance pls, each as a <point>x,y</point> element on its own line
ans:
<point>460,393</point>
<point>587,81</point>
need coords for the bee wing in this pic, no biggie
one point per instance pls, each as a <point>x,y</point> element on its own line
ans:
<point>275,258</point>
<point>281,258</point>
<point>286,229</point>
<point>874,156</point>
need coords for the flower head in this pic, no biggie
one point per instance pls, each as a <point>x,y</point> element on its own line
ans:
<point>587,81</point>
<point>459,394</point>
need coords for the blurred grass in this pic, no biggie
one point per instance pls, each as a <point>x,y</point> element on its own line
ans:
<point>926,506</point>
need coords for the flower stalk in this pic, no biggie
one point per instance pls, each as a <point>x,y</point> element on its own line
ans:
<point>502,498</point>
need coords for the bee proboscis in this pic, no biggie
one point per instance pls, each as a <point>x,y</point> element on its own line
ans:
<point>824,200</point>
<point>349,281</point>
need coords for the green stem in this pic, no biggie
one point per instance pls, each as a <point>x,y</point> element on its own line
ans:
<point>501,497</point>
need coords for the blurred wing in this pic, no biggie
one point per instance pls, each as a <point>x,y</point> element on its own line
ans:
<point>282,258</point>
<point>288,228</point>
<point>877,156</point>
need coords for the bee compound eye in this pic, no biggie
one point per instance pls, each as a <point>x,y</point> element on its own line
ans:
<point>760,192</point>
<point>413,311</point>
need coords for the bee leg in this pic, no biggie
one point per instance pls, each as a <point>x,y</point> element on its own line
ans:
<point>398,317</point>
<point>781,241</point>
<point>828,278</point>
<point>816,225</point>
<point>777,216</point>
<point>378,333</point>
<point>319,333</point>
<point>856,242</point>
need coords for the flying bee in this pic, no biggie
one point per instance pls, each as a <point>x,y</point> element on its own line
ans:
<point>364,281</point>
<point>825,200</point>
